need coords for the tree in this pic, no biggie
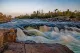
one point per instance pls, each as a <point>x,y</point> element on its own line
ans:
<point>5,18</point>
<point>56,12</point>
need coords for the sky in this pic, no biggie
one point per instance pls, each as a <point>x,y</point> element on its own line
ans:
<point>18,7</point>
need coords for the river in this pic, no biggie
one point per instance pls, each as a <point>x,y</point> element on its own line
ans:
<point>42,31</point>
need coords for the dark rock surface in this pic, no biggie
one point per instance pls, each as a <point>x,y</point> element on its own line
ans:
<point>30,41</point>
<point>26,42</point>
<point>37,48</point>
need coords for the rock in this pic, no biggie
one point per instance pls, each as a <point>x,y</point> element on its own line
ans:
<point>3,39</point>
<point>50,48</point>
<point>60,48</point>
<point>12,35</point>
<point>30,41</point>
<point>6,35</point>
<point>27,42</point>
<point>3,36</point>
<point>15,48</point>
<point>9,51</point>
<point>38,48</point>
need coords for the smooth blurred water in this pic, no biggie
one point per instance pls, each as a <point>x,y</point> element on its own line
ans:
<point>68,38</point>
<point>47,32</point>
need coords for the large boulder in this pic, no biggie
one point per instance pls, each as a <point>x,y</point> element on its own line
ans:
<point>12,35</point>
<point>47,48</point>
<point>37,48</point>
<point>3,39</point>
<point>6,35</point>
<point>3,36</point>
<point>59,48</point>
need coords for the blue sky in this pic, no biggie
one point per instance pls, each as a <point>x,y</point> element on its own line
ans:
<point>17,7</point>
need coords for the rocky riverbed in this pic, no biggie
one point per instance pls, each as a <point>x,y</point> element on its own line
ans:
<point>8,35</point>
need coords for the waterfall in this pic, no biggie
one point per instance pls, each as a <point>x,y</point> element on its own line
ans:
<point>57,36</point>
<point>38,39</point>
<point>20,35</point>
<point>67,37</point>
<point>35,31</point>
<point>56,29</point>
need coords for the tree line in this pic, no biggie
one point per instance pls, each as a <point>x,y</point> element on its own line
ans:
<point>41,15</point>
<point>5,18</point>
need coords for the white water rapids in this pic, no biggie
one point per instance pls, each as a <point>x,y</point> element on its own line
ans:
<point>52,32</point>
<point>65,37</point>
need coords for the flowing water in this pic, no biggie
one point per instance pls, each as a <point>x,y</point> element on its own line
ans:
<point>41,31</point>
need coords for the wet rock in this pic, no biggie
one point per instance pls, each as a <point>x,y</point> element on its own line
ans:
<point>30,41</point>
<point>26,42</point>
